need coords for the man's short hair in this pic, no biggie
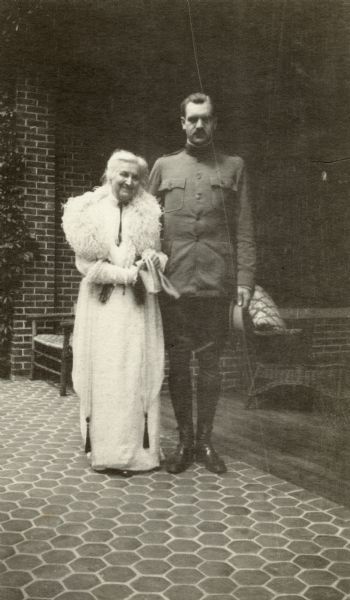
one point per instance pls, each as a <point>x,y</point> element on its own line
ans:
<point>197,98</point>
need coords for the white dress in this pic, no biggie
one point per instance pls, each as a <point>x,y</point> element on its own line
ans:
<point>118,359</point>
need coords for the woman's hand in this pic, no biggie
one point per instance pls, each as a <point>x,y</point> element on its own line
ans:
<point>153,257</point>
<point>141,264</point>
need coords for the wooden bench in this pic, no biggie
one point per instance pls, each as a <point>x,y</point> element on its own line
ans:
<point>51,346</point>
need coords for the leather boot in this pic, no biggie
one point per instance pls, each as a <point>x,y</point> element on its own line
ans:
<point>208,393</point>
<point>181,397</point>
<point>183,456</point>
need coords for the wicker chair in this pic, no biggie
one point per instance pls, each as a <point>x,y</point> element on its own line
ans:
<point>284,358</point>
<point>51,348</point>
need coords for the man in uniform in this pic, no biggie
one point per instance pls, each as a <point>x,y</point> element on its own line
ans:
<point>208,237</point>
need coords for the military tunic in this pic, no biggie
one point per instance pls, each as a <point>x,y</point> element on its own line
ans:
<point>208,225</point>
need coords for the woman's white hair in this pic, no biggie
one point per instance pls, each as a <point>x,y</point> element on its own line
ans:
<point>119,156</point>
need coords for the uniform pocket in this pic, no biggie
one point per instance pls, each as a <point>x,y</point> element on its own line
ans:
<point>172,191</point>
<point>222,190</point>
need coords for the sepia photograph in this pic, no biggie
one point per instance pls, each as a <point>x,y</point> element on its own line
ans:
<point>175,299</point>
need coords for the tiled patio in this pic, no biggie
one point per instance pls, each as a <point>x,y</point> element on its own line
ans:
<point>68,533</point>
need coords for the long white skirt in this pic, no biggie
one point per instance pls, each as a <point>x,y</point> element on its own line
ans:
<point>118,365</point>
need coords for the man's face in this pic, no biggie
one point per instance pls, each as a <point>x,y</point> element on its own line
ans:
<point>126,181</point>
<point>199,124</point>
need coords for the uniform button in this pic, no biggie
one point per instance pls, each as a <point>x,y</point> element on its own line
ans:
<point>198,196</point>
<point>199,175</point>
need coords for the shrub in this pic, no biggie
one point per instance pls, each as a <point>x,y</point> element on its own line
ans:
<point>17,246</point>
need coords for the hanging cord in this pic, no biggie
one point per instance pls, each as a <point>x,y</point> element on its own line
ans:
<point>194,45</point>
<point>271,110</point>
<point>227,229</point>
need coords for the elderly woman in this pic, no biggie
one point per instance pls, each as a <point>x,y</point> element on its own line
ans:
<point>118,354</point>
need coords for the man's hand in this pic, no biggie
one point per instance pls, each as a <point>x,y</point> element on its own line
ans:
<point>243,296</point>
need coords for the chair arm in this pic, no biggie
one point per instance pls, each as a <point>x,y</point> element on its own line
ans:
<point>67,324</point>
<point>51,317</point>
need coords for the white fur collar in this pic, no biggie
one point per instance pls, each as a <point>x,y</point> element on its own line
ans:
<point>89,223</point>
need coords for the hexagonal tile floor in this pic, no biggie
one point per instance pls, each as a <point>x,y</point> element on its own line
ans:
<point>68,533</point>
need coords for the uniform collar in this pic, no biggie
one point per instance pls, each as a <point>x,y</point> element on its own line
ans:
<point>199,151</point>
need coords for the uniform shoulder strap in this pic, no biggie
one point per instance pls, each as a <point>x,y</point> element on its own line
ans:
<point>173,153</point>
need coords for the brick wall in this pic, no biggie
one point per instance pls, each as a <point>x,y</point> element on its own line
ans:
<point>328,334</point>
<point>57,166</point>
<point>75,175</point>
<point>35,107</point>
<point>61,161</point>
<point>331,339</point>
<point>330,330</point>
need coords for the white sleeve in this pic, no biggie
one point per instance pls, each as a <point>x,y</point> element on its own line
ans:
<point>163,260</point>
<point>100,271</point>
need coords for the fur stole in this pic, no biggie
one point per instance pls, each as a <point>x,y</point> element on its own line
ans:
<point>89,223</point>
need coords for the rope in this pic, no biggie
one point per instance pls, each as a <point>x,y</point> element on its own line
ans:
<point>194,45</point>
<point>227,228</point>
